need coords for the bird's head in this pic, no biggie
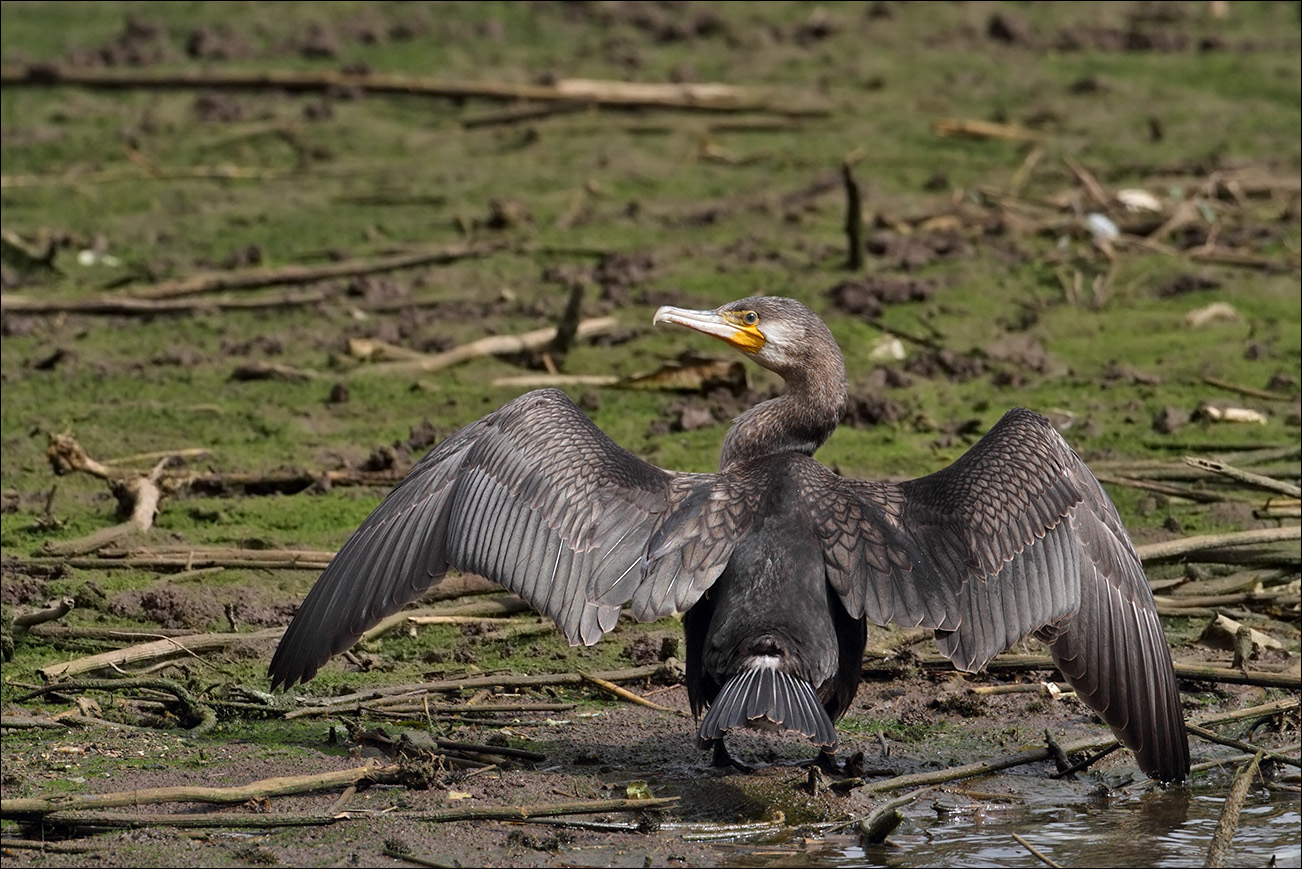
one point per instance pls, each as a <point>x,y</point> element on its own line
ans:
<point>777,333</point>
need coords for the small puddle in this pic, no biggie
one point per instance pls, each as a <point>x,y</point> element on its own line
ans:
<point>1152,828</point>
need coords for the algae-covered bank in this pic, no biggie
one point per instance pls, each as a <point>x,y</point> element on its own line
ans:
<point>258,258</point>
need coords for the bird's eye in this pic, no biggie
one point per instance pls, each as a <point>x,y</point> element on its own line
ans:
<point>750,318</point>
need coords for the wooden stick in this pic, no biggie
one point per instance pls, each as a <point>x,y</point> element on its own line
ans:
<point>1089,182</point>
<point>261,789</point>
<point>1043,858</point>
<point>93,818</point>
<point>1172,549</point>
<point>124,306</point>
<point>138,496</point>
<point>1250,391</point>
<point>164,649</point>
<point>853,218</point>
<point>1229,821</point>
<point>1258,480</point>
<point>332,705</point>
<point>978,129</point>
<point>1212,736</point>
<point>52,847</point>
<point>625,694</point>
<point>1262,711</point>
<point>983,767</point>
<point>1198,495</point>
<point>493,345</point>
<point>55,610</point>
<point>704,96</point>
<point>524,813</point>
<point>884,818</point>
<point>1022,663</point>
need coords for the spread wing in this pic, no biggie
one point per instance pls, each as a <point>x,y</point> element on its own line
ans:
<point>535,497</point>
<point>1017,537</point>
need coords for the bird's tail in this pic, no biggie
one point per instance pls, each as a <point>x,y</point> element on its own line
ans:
<point>766,698</point>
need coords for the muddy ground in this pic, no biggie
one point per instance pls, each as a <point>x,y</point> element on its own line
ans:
<point>1003,153</point>
<point>779,814</point>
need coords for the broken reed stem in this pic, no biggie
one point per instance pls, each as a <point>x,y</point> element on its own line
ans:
<point>1172,549</point>
<point>1043,858</point>
<point>853,219</point>
<point>1262,711</point>
<point>56,610</point>
<point>884,818</point>
<point>524,813</point>
<point>625,694</point>
<point>124,306</point>
<point>90,818</point>
<point>1212,736</point>
<point>505,680</point>
<point>684,96</point>
<point>52,847</point>
<point>1257,480</point>
<point>1022,663</point>
<point>197,711</point>
<point>1229,821</point>
<point>493,345</point>
<point>261,789</point>
<point>164,649</point>
<point>983,767</point>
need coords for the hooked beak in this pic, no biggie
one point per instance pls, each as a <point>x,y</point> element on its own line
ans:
<point>727,327</point>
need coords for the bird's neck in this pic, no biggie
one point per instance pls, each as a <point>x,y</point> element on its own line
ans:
<point>800,420</point>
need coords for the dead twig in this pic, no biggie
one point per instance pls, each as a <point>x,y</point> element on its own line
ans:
<point>262,370</point>
<point>1043,858</point>
<point>1021,663</point>
<point>506,604</point>
<point>1198,495</point>
<point>984,767</point>
<point>69,818</point>
<point>1086,762</point>
<point>1229,821</point>
<point>853,218</point>
<point>158,650</point>
<point>978,129</point>
<point>138,496</point>
<point>193,709</point>
<point>524,813</point>
<point>1263,711</point>
<point>1213,736</point>
<point>257,790</point>
<point>1257,480</point>
<point>55,610</point>
<point>625,694</point>
<point>51,847</point>
<point>687,96</point>
<point>1089,182</point>
<point>493,345</point>
<point>123,306</point>
<point>506,680</point>
<point>1250,391</point>
<point>1174,549</point>
<point>884,818</point>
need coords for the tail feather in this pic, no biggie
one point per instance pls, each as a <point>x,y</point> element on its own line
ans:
<point>767,698</point>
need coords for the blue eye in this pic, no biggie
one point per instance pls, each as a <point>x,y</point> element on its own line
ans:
<point>750,318</point>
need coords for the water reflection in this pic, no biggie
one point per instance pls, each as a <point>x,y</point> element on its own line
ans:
<point>1151,828</point>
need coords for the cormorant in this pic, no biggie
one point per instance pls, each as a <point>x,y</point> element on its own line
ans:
<point>776,561</point>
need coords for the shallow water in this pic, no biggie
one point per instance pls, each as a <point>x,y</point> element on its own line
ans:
<point>1149,828</point>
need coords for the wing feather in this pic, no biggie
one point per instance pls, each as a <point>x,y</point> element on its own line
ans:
<point>535,497</point>
<point>1015,538</point>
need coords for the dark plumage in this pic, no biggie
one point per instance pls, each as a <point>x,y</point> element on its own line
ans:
<point>776,561</point>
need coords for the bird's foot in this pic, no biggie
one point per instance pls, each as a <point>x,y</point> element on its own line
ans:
<point>723,758</point>
<point>827,762</point>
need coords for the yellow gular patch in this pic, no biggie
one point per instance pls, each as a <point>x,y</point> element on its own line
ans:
<point>747,337</point>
